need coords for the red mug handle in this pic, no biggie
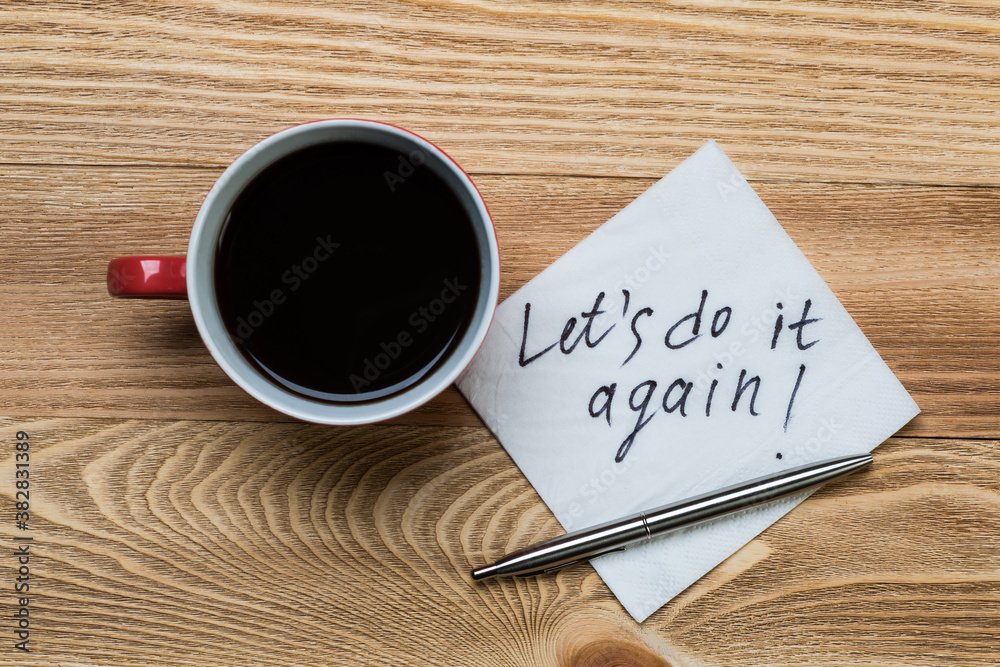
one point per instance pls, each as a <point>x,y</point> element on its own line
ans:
<point>148,277</point>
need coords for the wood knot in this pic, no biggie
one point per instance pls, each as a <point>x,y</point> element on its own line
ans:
<point>613,653</point>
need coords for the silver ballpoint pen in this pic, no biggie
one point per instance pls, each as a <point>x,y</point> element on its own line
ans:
<point>615,535</point>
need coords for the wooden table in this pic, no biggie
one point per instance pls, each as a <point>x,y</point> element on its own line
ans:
<point>176,521</point>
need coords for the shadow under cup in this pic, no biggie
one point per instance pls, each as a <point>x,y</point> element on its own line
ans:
<point>343,271</point>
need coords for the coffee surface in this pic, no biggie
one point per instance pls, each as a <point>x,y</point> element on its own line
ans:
<point>347,272</point>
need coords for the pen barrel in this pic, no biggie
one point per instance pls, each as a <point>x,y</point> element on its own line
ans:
<point>750,494</point>
<point>568,549</point>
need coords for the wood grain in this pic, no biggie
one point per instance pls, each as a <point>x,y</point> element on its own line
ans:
<point>833,91</point>
<point>932,309</point>
<point>217,543</point>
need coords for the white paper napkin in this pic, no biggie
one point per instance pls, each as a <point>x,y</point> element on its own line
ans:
<point>566,375</point>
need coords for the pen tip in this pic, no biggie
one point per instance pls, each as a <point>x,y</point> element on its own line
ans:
<point>484,572</point>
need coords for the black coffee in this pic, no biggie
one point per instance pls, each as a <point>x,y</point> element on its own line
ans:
<point>347,271</point>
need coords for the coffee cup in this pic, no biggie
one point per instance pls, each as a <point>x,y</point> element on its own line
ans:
<point>341,272</point>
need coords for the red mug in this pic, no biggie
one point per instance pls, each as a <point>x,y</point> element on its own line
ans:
<point>191,277</point>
